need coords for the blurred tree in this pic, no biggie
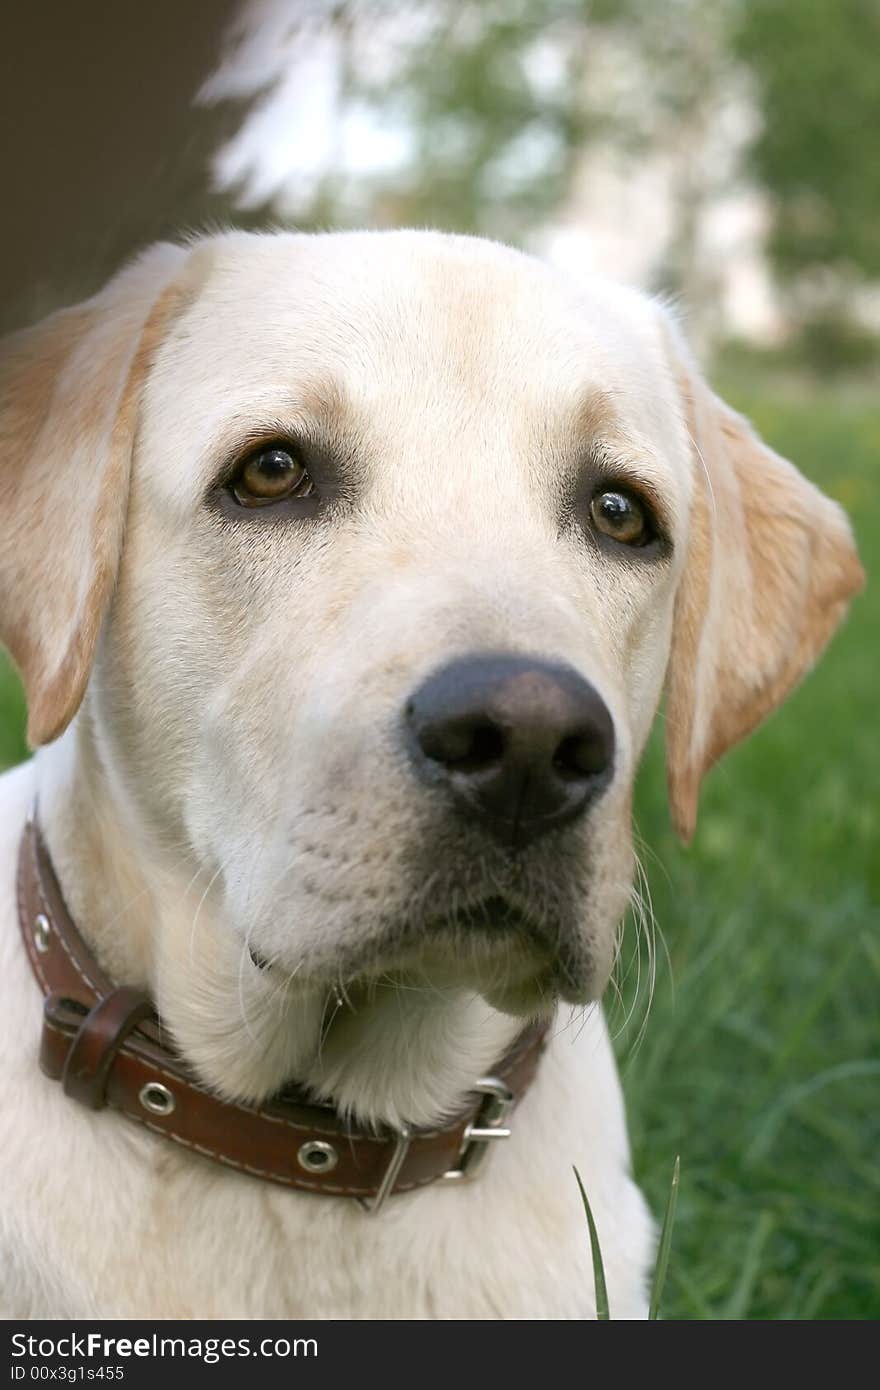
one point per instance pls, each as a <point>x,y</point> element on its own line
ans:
<point>817,82</point>
<point>503,97</point>
<point>490,92</point>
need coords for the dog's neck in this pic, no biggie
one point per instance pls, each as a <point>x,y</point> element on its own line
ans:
<point>99,846</point>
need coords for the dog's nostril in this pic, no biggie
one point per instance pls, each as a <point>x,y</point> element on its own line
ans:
<point>581,755</point>
<point>464,746</point>
<point>486,748</point>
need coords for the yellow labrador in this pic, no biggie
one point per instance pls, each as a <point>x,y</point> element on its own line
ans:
<point>345,574</point>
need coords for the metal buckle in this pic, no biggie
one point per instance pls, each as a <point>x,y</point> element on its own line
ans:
<point>483,1130</point>
<point>372,1205</point>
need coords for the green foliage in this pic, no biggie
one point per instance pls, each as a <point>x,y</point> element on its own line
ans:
<point>661,1265</point>
<point>664,1247</point>
<point>816,74</point>
<point>832,342</point>
<point>831,351</point>
<point>12,715</point>
<point>601,1292</point>
<point>490,94</point>
<point>501,99</point>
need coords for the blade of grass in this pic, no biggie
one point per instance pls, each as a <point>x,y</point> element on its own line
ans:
<point>813,1303</point>
<point>738,1304</point>
<point>602,1313</point>
<point>665,1242</point>
<point>779,1112</point>
<point>688,1288</point>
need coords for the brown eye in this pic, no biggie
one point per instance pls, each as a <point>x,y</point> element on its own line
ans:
<point>623,518</point>
<point>271,474</point>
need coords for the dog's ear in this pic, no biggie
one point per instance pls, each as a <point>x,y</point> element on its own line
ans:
<point>769,569</point>
<point>69,392</point>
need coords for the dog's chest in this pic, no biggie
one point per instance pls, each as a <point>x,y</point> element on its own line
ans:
<point>108,1220</point>
<point>126,1227</point>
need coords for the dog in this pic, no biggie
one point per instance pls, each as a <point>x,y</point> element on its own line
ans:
<point>345,574</point>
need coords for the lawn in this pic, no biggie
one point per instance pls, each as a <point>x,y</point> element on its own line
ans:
<point>759,1061</point>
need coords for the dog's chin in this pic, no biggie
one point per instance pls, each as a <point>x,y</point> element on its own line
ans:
<point>524,1000</point>
<point>403,1038</point>
<point>395,1035</point>
<point>407,1038</point>
<point>408,1052</point>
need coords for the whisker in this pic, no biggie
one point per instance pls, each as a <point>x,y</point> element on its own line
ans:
<point>192,931</point>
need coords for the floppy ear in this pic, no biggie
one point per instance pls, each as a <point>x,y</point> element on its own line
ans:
<point>68,408</point>
<point>770,567</point>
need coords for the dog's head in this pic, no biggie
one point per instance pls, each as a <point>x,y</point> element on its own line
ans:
<point>374,553</point>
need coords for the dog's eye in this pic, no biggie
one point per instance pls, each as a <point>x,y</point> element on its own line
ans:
<point>271,474</point>
<point>622,517</point>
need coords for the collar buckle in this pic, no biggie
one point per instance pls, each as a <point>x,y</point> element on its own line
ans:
<point>373,1205</point>
<point>484,1129</point>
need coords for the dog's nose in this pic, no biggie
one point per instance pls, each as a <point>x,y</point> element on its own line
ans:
<point>521,744</point>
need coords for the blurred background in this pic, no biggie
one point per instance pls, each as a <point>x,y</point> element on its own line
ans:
<point>723,154</point>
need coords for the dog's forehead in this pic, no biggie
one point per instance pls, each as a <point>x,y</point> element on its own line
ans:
<point>409,327</point>
<point>452,304</point>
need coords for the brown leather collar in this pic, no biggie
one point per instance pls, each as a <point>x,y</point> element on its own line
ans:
<point>107,1047</point>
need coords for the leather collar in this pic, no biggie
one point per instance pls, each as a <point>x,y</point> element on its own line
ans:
<point>107,1047</point>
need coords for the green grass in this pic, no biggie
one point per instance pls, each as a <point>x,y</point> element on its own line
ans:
<point>603,1313</point>
<point>12,716</point>
<point>759,1062</point>
<point>761,1068</point>
<point>661,1265</point>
